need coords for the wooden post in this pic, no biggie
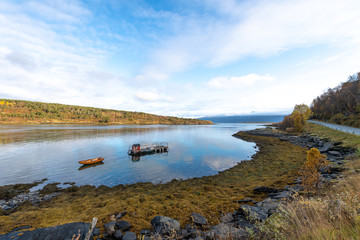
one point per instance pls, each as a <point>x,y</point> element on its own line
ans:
<point>91,229</point>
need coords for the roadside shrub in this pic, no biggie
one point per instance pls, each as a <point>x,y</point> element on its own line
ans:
<point>287,122</point>
<point>295,122</point>
<point>298,122</point>
<point>310,173</point>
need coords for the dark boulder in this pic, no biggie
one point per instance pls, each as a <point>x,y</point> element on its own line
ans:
<point>335,153</point>
<point>281,195</point>
<point>198,219</point>
<point>110,228</point>
<point>96,232</point>
<point>223,231</point>
<point>129,236</point>
<point>165,225</point>
<point>263,189</point>
<point>268,205</point>
<point>220,231</point>
<point>252,213</point>
<point>61,232</point>
<point>326,147</point>
<point>123,225</point>
<point>118,234</point>
<point>227,218</point>
<point>241,223</point>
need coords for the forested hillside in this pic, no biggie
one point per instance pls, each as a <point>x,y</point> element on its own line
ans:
<point>340,104</point>
<point>19,111</point>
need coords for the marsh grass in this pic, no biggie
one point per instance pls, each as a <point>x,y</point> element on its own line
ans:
<point>275,165</point>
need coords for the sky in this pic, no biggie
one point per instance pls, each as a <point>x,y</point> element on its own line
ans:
<point>177,57</point>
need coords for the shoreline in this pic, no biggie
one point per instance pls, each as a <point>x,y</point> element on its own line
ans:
<point>211,196</point>
<point>102,124</point>
<point>261,198</point>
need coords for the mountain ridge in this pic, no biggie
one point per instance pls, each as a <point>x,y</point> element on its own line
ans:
<point>31,112</point>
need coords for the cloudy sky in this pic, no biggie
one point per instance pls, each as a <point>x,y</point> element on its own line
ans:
<point>180,58</point>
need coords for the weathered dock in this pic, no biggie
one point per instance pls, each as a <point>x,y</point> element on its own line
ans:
<point>145,149</point>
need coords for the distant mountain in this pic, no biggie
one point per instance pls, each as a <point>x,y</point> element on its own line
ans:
<point>19,111</point>
<point>245,118</point>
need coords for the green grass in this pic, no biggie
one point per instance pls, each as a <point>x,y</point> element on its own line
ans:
<point>348,139</point>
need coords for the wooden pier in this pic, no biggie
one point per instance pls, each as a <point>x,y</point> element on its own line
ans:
<point>145,149</point>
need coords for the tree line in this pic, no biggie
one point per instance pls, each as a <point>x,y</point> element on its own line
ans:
<point>20,111</point>
<point>341,104</point>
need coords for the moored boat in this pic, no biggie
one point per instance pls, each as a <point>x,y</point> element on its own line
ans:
<point>92,161</point>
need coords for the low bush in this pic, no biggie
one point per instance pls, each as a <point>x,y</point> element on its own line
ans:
<point>295,122</point>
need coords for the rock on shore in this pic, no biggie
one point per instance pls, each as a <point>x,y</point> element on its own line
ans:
<point>61,232</point>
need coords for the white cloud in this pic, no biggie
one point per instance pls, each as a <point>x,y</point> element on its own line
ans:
<point>262,28</point>
<point>147,96</point>
<point>21,59</point>
<point>152,96</point>
<point>49,52</point>
<point>236,82</point>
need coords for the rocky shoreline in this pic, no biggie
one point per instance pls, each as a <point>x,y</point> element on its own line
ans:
<point>33,197</point>
<point>239,224</point>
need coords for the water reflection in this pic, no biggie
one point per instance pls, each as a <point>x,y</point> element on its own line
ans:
<point>33,152</point>
<point>83,167</point>
<point>137,158</point>
<point>55,133</point>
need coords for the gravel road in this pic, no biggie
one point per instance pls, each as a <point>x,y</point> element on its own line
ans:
<point>347,129</point>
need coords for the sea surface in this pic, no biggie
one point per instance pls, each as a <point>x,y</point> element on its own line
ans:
<point>245,118</point>
<point>32,152</point>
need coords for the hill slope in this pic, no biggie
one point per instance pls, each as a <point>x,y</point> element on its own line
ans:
<point>341,104</point>
<point>19,111</point>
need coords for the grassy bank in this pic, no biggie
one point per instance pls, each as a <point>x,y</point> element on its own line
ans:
<point>333,212</point>
<point>20,111</point>
<point>348,140</point>
<point>275,165</point>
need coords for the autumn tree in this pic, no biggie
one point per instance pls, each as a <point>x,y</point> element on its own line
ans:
<point>304,110</point>
<point>296,120</point>
<point>310,173</point>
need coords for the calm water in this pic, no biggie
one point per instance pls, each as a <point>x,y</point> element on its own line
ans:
<point>34,152</point>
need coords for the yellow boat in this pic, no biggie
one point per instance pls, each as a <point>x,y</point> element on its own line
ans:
<point>92,161</point>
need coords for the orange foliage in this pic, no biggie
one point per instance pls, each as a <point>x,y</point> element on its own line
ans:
<point>296,120</point>
<point>310,174</point>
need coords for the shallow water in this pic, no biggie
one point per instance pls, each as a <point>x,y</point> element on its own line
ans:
<point>33,152</point>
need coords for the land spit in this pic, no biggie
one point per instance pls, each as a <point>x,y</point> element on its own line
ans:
<point>225,205</point>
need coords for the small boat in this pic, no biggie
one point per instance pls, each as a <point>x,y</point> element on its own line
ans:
<point>92,161</point>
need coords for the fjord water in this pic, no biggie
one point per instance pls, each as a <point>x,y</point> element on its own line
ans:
<point>33,152</point>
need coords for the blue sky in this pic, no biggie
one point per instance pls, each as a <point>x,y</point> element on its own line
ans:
<point>180,58</point>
